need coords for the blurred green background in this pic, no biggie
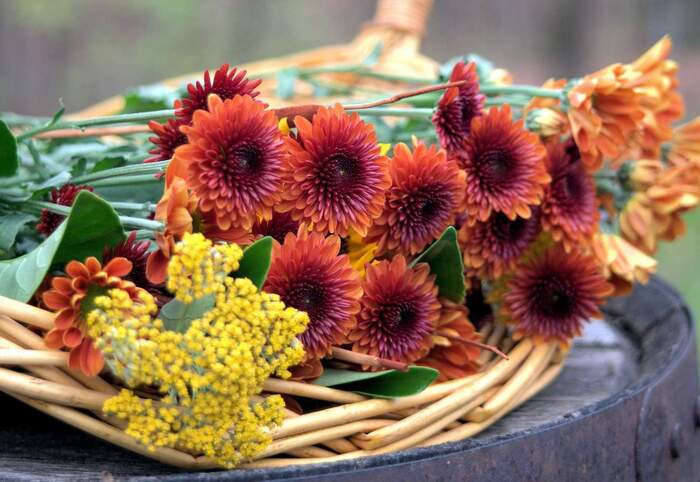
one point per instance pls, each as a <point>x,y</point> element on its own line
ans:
<point>84,50</point>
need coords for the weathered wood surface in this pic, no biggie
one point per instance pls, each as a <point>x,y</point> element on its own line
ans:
<point>602,364</point>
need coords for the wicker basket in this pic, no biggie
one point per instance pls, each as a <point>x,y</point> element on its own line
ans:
<point>353,425</point>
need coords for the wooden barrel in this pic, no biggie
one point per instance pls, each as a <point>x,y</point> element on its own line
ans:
<point>626,407</point>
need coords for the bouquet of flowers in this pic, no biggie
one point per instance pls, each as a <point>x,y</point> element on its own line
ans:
<point>381,254</point>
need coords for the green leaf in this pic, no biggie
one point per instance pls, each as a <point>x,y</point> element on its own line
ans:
<point>11,224</point>
<point>177,316</point>
<point>108,163</point>
<point>9,162</point>
<point>384,384</point>
<point>149,97</point>
<point>91,225</point>
<point>286,79</point>
<point>446,264</point>
<point>256,261</point>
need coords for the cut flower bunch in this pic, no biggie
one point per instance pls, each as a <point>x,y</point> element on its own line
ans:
<point>212,277</point>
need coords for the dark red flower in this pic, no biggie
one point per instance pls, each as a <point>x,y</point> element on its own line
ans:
<point>552,295</point>
<point>335,176</point>
<point>277,227</point>
<point>232,161</point>
<point>400,310</point>
<point>569,209</point>
<point>226,84</point>
<point>505,167</point>
<point>493,247</point>
<point>167,138</point>
<point>426,193</point>
<point>64,196</point>
<point>458,106</point>
<point>309,275</point>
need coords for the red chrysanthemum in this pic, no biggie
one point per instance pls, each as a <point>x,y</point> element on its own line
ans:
<point>277,227</point>
<point>426,191</point>
<point>400,310</point>
<point>458,106</point>
<point>65,196</point>
<point>309,275</point>
<point>451,355</point>
<point>72,296</point>
<point>553,294</point>
<point>505,167</point>
<point>493,247</point>
<point>232,161</point>
<point>226,85</point>
<point>335,177</point>
<point>167,138</point>
<point>569,208</point>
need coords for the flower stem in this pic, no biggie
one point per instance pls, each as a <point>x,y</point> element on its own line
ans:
<point>521,89</point>
<point>126,206</point>
<point>147,168</point>
<point>125,180</point>
<point>477,344</point>
<point>364,359</point>
<point>98,121</point>
<point>413,113</point>
<point>127,221</point>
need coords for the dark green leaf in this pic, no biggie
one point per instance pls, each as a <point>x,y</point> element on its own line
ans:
<point>256,261</point>
<point>446,264</point>
<point>91,225</point>
<point>149,97</point>
<point>108,163</point>
<point>11,224</point>
<point>9,161</point>
<point>384,384</point>
<point>177,316</point>
<point>286,79</point>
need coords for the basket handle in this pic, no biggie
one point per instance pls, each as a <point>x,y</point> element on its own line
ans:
<point>410,16</point>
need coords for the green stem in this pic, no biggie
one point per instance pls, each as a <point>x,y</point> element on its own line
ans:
<point>515,101</point>
<point>127,221</point>
<point>126,206</point>
<point>530,90</point>
<point>417,113</point>
<point>125,181</point>
<point>98,121</point>
<point>147,168</point>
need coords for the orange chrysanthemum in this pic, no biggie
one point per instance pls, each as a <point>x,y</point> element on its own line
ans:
<point>232,161</point>
<point>685,144</point>
<point>504,165</point>
<point>452,357</point>
<point>72,296</point>
<point>569,209</point>
<point>664,193</point>
<point>544,114</point>
<point>400,310</point>
<point>178,210</point>
<point>335,176</point>
<point>458,106</point>
<point>552,295</point>
<point>493,247</point>
<point>655,79</point>
<point>623,264</point>
<point>309,274</point>
<point>605,113</point>
<point>426,192</point>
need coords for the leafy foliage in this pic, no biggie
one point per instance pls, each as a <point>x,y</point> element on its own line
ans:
<point>384,384</point>
<point>9,162</point>
<point>91,225</point>
<point>446,264</point>
<point>255,263</point>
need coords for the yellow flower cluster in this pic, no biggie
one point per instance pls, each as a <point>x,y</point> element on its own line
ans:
<point>209,375</point>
